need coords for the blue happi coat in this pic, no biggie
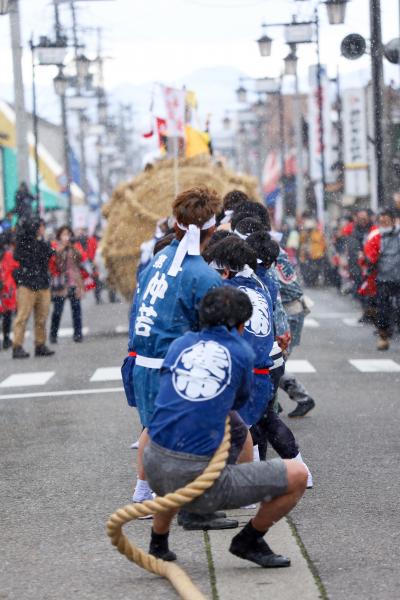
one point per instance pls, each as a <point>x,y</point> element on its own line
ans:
<point>164,308</point>
<point>259,333</point>
<point>204,376</point>
<point>280,318</point>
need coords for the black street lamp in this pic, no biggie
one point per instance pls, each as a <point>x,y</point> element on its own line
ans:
<point>61,83</point>
<point>241,94</point>
<point>4,7</point>
<point>226,122</point>
<point>264,43</point>
<point>291,62</point>
<point>336,11</point>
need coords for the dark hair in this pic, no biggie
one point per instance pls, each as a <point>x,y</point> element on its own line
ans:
<point>231,253</point>
<point>163,243</point>
<point>226,306</point>
<point>219,235</point>
<point>255,210</point>
<point>264,246</point>
<point>64,228</point>
<point>233,199</point>
<point>388,212</point>
<point>239,216</point>
<point>248,226</point>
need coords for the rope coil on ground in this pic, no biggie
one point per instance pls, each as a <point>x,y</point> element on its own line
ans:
<point>177,577</point>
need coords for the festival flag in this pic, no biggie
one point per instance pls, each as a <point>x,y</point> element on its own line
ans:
<point>197,142</point>
<point>175,109</point>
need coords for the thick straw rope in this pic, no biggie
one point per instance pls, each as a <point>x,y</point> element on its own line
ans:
<point>177,577</point>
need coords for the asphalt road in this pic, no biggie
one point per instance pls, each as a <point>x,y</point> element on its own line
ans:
<point>350,521</point>
<point>66,466</point>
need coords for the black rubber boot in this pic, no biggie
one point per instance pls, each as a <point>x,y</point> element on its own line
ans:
<point>7,343</point>
<point>302,409</point>
<point>19,352</point>
<point>250,545</point>
<point>159,547</point>
<point>43,350</point>
<point>206,522</point>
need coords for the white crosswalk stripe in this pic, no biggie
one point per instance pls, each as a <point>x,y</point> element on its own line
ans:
<point>310,322</point>
<point>107,374</point>
<point>67,332</point>
<point>375,365</point>
<point>299,366</point>
<point>121,329</point>
<point>353,322</point>
<point>27,379</point>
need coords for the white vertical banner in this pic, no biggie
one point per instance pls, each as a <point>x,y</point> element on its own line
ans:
<point>371,150</point>
<point>175,108</point>
<point>319,97</point>
<point>355,142</point>
<point>2,199</point>
<point>314,122</point>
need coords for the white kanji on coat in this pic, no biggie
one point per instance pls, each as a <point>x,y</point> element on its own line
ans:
<point>157,287</point>
<point>259,323</point>
<point>202,371</point>
<point>145,320</point>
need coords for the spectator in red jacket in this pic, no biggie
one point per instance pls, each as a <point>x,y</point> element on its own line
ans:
<point>8,288</point>
<point>67,281</point>
<point>382,252</point>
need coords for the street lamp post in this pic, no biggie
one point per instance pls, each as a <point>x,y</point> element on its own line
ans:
<point>377,93</point>
<point>60,86</point>
<point>11,7</point>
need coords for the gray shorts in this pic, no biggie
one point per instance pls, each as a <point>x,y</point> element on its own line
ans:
<point>237,486</point>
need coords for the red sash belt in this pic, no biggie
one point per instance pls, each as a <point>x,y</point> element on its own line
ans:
<point>261,371</point>
<point>132,353</point>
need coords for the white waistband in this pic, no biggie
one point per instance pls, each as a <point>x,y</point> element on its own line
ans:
<point>150,363</point>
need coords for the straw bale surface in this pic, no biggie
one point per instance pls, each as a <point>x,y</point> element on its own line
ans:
<point>136,206</point>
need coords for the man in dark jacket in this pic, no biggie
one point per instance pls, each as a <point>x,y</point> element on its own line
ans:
<point>24,203</point>
<point>33,286</point>
<point>387,264</point>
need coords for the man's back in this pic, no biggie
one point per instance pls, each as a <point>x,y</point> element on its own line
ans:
<point>204,376</point>
<point>166,306</point>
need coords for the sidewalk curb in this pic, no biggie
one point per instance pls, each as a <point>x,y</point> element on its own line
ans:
<point>230,576</point>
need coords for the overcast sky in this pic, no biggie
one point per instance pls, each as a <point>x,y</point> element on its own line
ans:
<point>163,40</point>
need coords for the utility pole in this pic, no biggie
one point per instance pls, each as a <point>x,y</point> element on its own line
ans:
<point>81,112</point>
<point>377,95</point>
<point>301,201</point>
<point>64,119</point>
<point>21,124</point>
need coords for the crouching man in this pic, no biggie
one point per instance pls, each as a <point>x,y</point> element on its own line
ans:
<point>204,376</point>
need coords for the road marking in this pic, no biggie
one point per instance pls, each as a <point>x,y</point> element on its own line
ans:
<point>27,379</point>
<point>299,366</point>
<point>122,329</point>
<point>310,322</point>
<point>107,374</point>
<point>352,322</point>
<point>62,393</point>
<point>376,365</point>
<point>67,332</point>
<point>333,315</point>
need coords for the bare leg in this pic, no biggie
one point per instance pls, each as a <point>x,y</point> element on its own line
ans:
<point>143,441</point>
<point>162,521</point>
<point>246,455</point>
<point>249,543</point>
<point>271,512</point>
<point>142,488</point>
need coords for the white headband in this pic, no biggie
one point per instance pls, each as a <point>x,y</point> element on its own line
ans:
<point>227,217</point>
<point>189,244</point>
<point>243,236</point>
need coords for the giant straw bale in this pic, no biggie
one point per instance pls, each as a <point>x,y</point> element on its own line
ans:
<point>137,205</point>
